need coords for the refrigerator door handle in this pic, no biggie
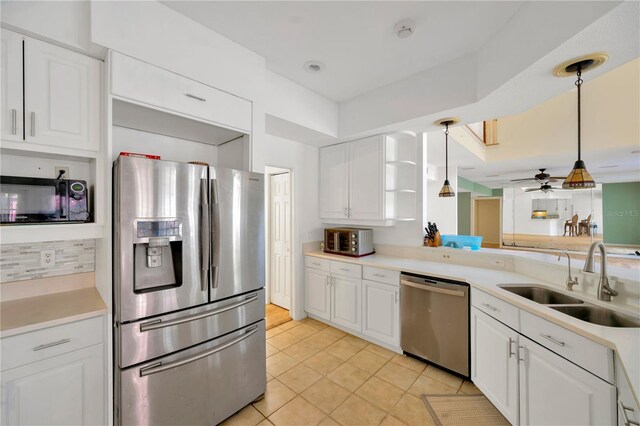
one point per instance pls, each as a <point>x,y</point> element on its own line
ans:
<point>205,242</point>
<point>215,241</point>
<point>159,367</point>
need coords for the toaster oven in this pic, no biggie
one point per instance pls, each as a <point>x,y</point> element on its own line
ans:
<point>355,242</point>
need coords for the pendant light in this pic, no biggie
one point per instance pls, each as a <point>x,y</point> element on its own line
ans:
<point>447,190</point>
<point>579,177</point>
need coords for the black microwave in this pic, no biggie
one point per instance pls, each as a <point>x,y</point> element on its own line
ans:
<point>37,200</point>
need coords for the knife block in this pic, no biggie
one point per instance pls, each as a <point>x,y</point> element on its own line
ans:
<point>435,242</point>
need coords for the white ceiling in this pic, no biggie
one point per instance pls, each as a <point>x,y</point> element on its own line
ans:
<point>355,40</point>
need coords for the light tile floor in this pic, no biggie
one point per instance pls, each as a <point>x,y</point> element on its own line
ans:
<point>319,375</point>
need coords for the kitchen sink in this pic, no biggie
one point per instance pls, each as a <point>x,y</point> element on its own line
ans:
<point>541,295</point>
<point>598,315</point>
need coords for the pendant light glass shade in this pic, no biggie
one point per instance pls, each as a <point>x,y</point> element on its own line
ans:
<point>579,177</point>
<point>447,190</point>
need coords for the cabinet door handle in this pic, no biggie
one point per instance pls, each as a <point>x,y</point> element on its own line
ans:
<point>14,121</point>
<point>551,339</point>
<point>346,212</point>
<point>520,348</point>
<point>197,98</point>
<point>509,347</point>
<point>49,345</point>
<point>33,123</point>
<point>625,418</point>
<point>488,306</point>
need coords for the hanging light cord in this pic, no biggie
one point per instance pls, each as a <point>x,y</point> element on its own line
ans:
<point>579,84</point>
<point>446,151</point>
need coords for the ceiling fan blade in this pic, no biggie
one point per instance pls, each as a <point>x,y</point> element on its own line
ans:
<point>522,180</point>
<point>532,189</point>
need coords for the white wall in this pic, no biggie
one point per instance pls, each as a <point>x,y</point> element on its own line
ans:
<point>303,161</point>
<point>443,210</point>
<point>172,149</point>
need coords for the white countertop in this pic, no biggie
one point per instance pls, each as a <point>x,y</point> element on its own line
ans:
<point>624,341</point>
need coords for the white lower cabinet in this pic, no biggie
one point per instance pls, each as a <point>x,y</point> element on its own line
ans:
<point>65,389</point>
<point>317,295</point>
<point>556,391</point>
<point>345,301</point>
<point>494,364</point>
<point>336,292</point>
<point>381,312</point>
<point>532,385</point>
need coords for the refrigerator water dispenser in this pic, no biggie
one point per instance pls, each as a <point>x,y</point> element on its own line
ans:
<point>157,255</point>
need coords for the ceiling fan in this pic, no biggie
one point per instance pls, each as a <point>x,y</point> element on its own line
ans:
<point>541,177</point>
<point>545,187</point>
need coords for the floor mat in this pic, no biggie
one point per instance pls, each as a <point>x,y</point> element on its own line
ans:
<point>463,410</point>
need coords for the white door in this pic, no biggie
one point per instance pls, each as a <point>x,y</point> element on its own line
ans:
<point>554,391</point>
<point>62,101</point>
<point>494,362</point>
<point>64,390</point>
<point>317,294</point>
<point>366,179</point>
<point>280,234</point>
<point>334,181</point>
<point>381,312</point>
<point>11,75</point>
<point>345,302</point>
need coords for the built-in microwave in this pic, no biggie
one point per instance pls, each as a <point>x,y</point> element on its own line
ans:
<point>348,241</point>
<point>38,200</point>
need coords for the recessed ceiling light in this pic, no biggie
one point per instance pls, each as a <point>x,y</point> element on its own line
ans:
<point>313,66</point>
<point>609,167</point>
<point>405,28</point>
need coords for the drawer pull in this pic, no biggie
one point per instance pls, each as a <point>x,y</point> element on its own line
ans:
<point>379,275</point>
<point>344,269</point>
<point>551,339</point>
<point>488,306</point>
<point>197,98</point>
<point>625,418</point>
<point>315,263</point>
<point>52,344</point>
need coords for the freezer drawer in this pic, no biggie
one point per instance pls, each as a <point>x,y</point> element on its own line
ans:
<point>155,337</point>
<point>202,385</point>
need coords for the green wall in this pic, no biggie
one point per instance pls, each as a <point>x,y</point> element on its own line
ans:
<point>621,213</point>
<point>473,187</point>
<point>464,213</point>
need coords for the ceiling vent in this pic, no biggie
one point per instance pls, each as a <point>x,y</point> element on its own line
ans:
<point>405,28</point>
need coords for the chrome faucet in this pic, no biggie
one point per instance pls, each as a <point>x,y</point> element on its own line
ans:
<point>570,281</point>
<point>605,292</point>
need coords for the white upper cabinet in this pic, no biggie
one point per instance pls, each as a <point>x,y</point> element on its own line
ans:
<point>362,182</point>
<point>56,96</point>
<point>145,83</point>
<point>11,73</point>
<point>366,179</point>
<point>334,182</point>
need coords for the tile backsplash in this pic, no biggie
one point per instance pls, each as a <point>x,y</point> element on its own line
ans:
<point>19,262</point>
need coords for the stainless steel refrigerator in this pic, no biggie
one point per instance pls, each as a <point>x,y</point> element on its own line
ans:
<point>189,330</point>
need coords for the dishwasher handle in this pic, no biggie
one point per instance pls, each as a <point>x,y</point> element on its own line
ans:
<point>434,289</point>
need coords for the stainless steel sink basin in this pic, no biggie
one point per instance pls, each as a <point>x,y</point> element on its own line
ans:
<point>598,315</point>
<point>541,295</point>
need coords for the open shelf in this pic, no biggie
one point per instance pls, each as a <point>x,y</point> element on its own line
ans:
<point>15,234</point>
<point>407,191</point>
<point>401,163</point>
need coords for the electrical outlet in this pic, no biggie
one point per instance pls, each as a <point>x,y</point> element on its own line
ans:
<point>47,258</point>
<point>58,169</point>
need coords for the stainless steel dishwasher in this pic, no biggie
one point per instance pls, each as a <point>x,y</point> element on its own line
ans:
<point>435,321</point>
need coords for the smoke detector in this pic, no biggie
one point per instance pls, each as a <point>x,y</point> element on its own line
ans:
<point>313,66</point>
<point>405,28</point>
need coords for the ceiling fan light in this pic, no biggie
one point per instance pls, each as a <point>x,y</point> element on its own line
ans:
<point>447,190</point>
<point>579,178</point>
